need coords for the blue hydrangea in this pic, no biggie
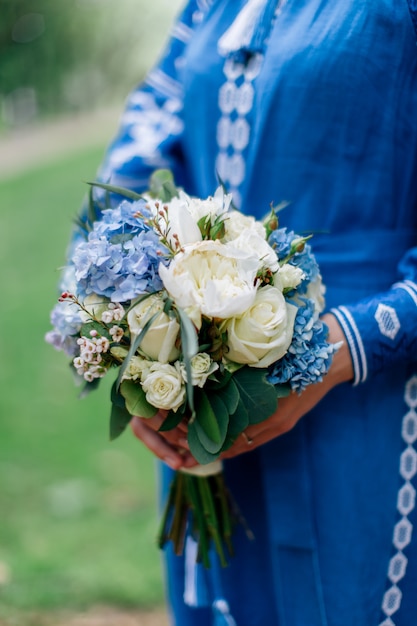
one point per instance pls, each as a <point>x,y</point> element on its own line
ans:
<point>281,240</point>
<point>309,355</point>
<point>67,322</point>
<point>121,256</point>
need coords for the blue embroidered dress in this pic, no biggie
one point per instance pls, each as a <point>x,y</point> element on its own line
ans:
<point>313,102</point>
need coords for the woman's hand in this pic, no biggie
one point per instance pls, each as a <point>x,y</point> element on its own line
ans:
<point>172,447</point>
<point>169,446</point>
<point>292,408</point>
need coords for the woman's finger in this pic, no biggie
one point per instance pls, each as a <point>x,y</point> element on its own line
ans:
<point>156,443</point>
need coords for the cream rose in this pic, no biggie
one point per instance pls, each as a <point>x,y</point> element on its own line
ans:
<point>316,291</point>
<point>164,387</point>
<point>264,333</point>
<point>212,279</point>
<point>288,277</point>
<point>201,367</point>
<point>159,342</point>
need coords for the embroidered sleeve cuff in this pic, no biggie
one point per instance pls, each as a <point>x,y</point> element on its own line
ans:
<point>381,331</point>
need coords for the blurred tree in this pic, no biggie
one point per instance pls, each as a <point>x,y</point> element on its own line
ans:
<point>58,56</point>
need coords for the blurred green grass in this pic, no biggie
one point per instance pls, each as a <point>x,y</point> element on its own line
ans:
<point>77,513</point>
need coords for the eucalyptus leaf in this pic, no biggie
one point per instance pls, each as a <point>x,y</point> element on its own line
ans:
<point>162,185</point>
<point>196,448</point>
<point>92,214</point>
<point>189,343</point>
<point>207,419</point>
<point>89,387</point>
<point>230,395</point>
<point>121,191</point>
<point>218,383</point>
<point>282,391</point>
<point>171,421</point>
<point>119,415</point>
<point>237,424</point>
<point>258,396</point>
<point>119,419</point>
<point>134,346</point>
<point>135,398</point>
<point>212,418</point>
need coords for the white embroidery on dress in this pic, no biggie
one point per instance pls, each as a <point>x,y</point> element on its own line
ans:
<point>388,321</point>
<point>236,98</point>
<point>406,501</point>
<point>145,128</point>
<point>409,287</point>
<point>352,346</point>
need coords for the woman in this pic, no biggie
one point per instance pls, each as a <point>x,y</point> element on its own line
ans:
<point>313,102</point>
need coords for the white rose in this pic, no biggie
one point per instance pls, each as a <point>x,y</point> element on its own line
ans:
<point>256,244</point>
<point>201,367</point>
<point>288,277</point>
<point>212,278</point>
<point>163,386</point>
<point>316,291</point>
<point>160,339</point>
<point>95,306</point>
<point>236,223</point>
<point>264,333</point>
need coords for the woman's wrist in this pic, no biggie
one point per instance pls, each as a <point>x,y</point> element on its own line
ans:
<point>341,370</point>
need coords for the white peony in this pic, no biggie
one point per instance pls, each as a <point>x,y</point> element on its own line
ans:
<point>236,223</point>
<point>164,387</point>
<point>159,342</point>
<point>212,279</point>
<point>213,206</point>
<point>256,244</point>
<point>264,333</point>
<point>178,219</point>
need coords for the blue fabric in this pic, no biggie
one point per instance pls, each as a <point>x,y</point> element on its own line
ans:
<point>326,119</point>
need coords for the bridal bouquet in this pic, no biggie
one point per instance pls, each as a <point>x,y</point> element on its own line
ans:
<point>202,311</point>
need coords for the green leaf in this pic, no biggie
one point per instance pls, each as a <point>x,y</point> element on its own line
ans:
<point>89,387</point>
<point>134,346</point>
<point>230,395</point>
<point>237,424</point>
<point>239,420</point>
<point>92,214</point>
<point>119,416</point>
<point>258,396</point>
<point>171,421</point>
<point>136,402</point>
<point>206,418</point>
<point>189,343</point>
<point>212,421</point>
<point>162,185</point>
<point>198,451</point>
<point>121,191</point>
<point>100,328</point>
<point>218,383</point>
<point>282,391</point>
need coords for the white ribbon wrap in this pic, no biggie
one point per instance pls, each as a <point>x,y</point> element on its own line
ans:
<point>211,469</point>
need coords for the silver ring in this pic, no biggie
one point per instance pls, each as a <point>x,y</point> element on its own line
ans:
<point>248,439</point>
